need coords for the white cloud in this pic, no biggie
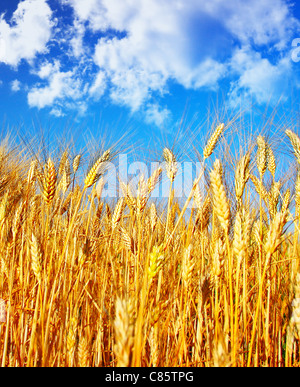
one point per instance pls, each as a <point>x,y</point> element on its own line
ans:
<point>27,33</point>
<point>139,47</point>
<point>258,77</point>
<point>191,42</point>
<point>263,22</point>
<point>89,10</point>
<point>158,47</point>
<point>99,85</point>
<point>76,41</point>
<point>15,85</point>
<point>156,115</point>
<point>60,85</point>
<point>57,112</point>
<point>47,69</point>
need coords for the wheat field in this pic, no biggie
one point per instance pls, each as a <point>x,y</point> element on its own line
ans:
<point>88,282</point>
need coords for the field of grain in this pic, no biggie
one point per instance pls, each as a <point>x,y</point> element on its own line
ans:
<point>92,282</point>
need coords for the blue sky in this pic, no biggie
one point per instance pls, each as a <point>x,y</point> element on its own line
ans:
<point>143,64</point>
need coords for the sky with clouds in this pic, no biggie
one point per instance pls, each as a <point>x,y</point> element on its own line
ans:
<point>143,59</point>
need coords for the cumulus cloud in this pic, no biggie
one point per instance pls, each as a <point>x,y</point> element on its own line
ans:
<point>157,115</point>
<point>132,50</point>
<point>60,85</point>
<point>27,33</point>
<point>15,85</point>
<point>258,22</point>
<point>194,43</point>
<point>76,41</point>
<point>258,77</point>
<point>98,87</point>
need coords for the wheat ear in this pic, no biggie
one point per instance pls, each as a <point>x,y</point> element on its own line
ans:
<point>295,141</point>
<point>142,195</point>
<point>171,164</point>
<point>124,332</point>
<point>188,264</point>
<point>76,163</point>
<point>156,260</point>
<point>261,155</point>
<point>221,205</point>
<point>212,142</point>
<point>271,161</point>
<point>36,258</point>
<point>153,179</point>
<point>83,353</point>
<point>117,213</point>
<point>94,174</point>
<point>241,175</point>
<point>295,318</point>
<point>297,193</point>
<point>49,182</point>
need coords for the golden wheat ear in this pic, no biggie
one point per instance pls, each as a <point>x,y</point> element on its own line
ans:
<point>271,161</point>
<point>49,182</point>
<point>2,311</point>
<point>261,155</point>
<point>242,175</point>
<point>117,213</point>
<point>36,257</point>
<point>76,163</point>
<point>220,201</point>
<point>295,141</point>
<point>95,172</point>
<point>171,164</point>
<point>124,331</point>
<point>212,142</point>
<point>153,179</point>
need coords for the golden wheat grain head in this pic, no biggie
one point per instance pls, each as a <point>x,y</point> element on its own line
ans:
<point>261,155</point>
<point>170,163</point>
<point>221,205</point>
<point>295,141</point>
<point>97,169</point>
<point>212,142</point>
